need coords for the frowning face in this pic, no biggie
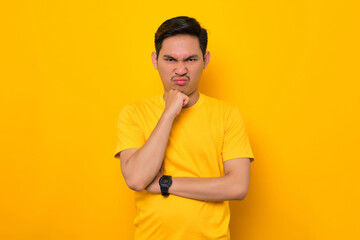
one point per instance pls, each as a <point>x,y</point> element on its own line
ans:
<point>180,63</point>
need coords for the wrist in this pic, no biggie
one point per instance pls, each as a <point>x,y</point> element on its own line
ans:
<point>168,116</point>
<point>165,183</point>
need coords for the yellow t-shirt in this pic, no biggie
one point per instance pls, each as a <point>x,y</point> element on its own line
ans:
<point>202,137</point>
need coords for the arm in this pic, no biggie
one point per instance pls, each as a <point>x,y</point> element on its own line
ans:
<point>140,166</point>
<point>232,186</point>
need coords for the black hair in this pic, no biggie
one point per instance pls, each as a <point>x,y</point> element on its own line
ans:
<point>180,25</point>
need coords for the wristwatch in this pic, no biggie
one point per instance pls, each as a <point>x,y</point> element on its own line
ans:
<point>165,182</point>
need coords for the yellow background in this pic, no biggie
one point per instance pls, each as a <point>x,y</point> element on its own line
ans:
<point>67,68</point>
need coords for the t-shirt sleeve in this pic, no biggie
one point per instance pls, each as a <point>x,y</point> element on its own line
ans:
<point>129,132</point>
<point>236,141</point>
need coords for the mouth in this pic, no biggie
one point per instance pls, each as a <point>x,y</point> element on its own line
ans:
<point>181,81</point>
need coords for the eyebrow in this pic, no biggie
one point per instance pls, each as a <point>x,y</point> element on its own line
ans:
<point>192,56</point>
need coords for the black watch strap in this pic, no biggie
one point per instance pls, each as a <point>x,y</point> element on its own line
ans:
<point>165,182</point>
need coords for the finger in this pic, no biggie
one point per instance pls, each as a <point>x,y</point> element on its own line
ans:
<point>186,100</point>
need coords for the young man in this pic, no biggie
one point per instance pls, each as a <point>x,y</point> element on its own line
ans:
<point>184,153</point>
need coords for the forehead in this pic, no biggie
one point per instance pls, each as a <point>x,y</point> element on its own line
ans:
<point>181,46</point>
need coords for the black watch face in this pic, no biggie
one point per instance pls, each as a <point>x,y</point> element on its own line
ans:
<point>165,181</point>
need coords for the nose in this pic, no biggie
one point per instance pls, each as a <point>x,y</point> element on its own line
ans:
<point>180,68</point>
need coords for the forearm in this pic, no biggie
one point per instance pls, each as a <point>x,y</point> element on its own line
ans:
<point>228,187</point>
<point>145,163</point>
<point>207,189</point>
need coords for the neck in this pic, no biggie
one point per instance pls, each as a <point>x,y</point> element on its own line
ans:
<point>194,97</point>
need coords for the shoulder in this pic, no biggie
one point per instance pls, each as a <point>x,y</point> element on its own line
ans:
<point>224,106</point>
<point>228,111</point>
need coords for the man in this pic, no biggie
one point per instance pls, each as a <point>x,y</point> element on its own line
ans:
<point>184,153</point>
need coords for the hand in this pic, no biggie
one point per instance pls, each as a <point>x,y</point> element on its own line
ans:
<point>154,186</point>
<point>174,101</point>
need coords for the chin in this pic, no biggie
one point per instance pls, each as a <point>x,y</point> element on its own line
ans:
<point>180,89</point>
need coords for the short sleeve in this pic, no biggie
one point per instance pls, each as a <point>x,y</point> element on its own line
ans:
<point>129,132</point>
<point>236,141</point>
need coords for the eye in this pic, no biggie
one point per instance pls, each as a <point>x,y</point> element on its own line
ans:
<point>191,59</point>
<point>169,59</point>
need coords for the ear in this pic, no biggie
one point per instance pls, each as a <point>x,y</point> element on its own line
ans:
<point>206,59</point>
<point>154,60</point>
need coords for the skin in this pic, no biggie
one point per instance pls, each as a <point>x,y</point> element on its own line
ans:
<point>180,57</point>
<point>232,186</point>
